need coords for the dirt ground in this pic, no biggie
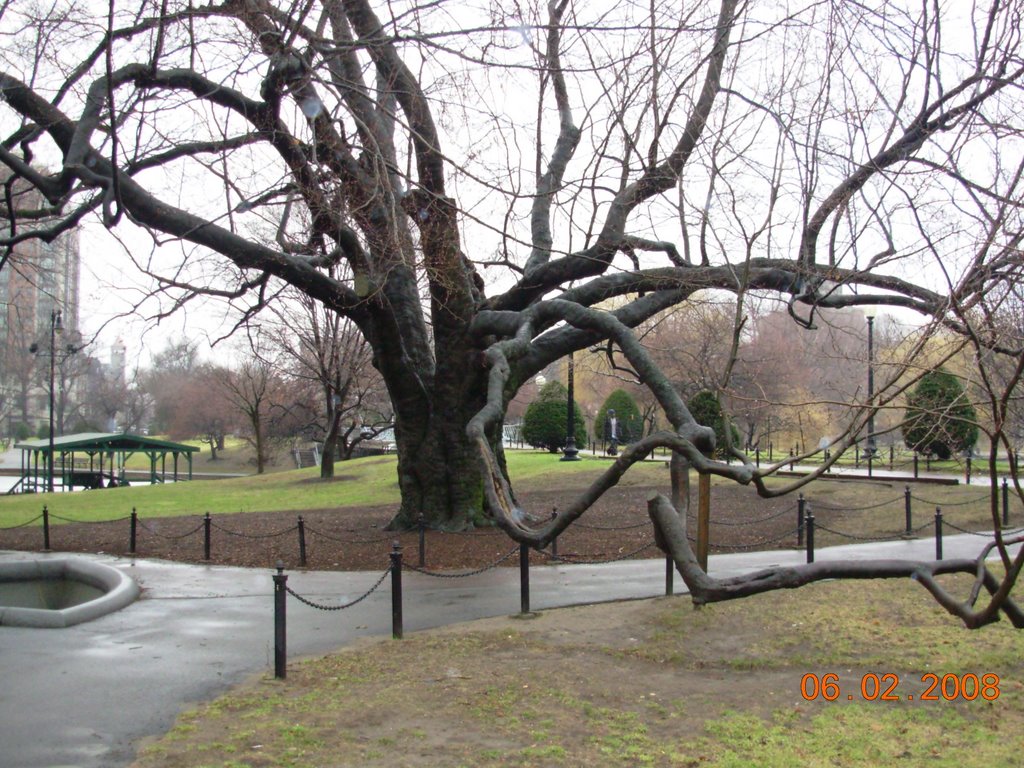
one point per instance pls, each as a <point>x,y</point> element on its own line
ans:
<point>355,538</point>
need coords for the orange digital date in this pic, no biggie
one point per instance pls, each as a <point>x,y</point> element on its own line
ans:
<point>874,687</point>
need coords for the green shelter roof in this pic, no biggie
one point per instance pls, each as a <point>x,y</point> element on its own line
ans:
<point>105,441</point>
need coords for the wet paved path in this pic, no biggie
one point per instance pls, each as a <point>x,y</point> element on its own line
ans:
<point>83,696</point>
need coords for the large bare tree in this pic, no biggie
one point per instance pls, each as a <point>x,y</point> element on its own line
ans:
<point>491,176</point>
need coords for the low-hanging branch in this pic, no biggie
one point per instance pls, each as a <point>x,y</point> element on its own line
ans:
<point>694,443</point>
<point>670,535</point>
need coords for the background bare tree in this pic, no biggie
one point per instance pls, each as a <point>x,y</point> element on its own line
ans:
<point>105,396</point>
<point>167,375</point>
<point>809,384</point>
<point>255,390</point>
<point>70,372</point>
<point>835,155</point>
<point>135,406</point>
<point>200,408</point>
<point>324,351</point>
<point>20,369</point>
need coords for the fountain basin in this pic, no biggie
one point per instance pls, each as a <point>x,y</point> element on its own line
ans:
<point>61,591</point>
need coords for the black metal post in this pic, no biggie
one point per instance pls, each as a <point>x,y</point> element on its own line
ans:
<point>800,505</point>
<point>570,452</point>
<point>421,526</point>
<point>906,508</point>
<point>757,457</point>
<point>55,328</point>
<point>206,536</point>
<point>810,538</point>
<point>892,456</point>
<point>967,470</point>
<point>280,628</point>
<point>669,575</point>
<point>938,533</point>
<point>302,542</point>
<point>856,457</point>
<point>870,447</point>
<point>915,465</point>
<point>1006,502</point>
<point>524,578</point>
<point>134,529</point>
<point>396,591</point>
<point>871,462</point>
<point>46,529</point>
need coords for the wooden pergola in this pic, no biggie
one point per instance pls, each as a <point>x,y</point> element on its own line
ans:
<point>97,460</point>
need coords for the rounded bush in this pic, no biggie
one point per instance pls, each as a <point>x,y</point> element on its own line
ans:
<point>545,423</point>
<point>706,411</point>
<point>939,420</point>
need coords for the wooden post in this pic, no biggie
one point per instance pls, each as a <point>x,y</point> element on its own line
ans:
<point>703,518</point>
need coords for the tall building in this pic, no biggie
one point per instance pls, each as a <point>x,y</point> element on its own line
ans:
<point>38,279</point>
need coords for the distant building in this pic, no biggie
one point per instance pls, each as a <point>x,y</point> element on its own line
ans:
<point>119,360</point>
<point>38,279</point>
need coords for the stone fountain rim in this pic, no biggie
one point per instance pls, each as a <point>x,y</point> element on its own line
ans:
<point>119,590</point>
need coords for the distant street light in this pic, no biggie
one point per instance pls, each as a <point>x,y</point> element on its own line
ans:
<point>570,453</point>
<point>870,449</point>
<point>56,328</point>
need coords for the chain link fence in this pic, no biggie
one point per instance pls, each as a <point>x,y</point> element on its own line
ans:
<point>326,607</point>
<point>356,537</point>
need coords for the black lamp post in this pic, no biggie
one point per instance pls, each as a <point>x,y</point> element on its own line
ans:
<point>56,326</point>
<point>570,453</point>
<point>870,450</point>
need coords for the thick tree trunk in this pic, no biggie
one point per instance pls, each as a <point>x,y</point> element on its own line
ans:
<point>327,456</point>
<point>439,474</point>
<point>436,383</point>
<point>327,460</point>
<point>261,448</point>
<point>438,471</point>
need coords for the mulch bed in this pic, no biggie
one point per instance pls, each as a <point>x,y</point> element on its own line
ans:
<point>355,538</point>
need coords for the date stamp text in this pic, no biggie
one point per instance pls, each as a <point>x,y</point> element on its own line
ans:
<point>886,687</point>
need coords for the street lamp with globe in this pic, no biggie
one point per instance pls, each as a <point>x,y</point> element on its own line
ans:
<point>56,328</point>
<point>871,449</point>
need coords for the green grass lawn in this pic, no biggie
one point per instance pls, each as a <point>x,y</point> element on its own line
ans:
<point>373,481</point>
<point>235,458</point>
<point>360,482</point>
<point>904,462</point>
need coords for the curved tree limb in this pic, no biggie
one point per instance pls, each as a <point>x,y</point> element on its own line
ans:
<point>670,533</point>
<point>565,146</point>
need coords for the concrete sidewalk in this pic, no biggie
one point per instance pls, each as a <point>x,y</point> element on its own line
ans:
<point>84,696</point>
